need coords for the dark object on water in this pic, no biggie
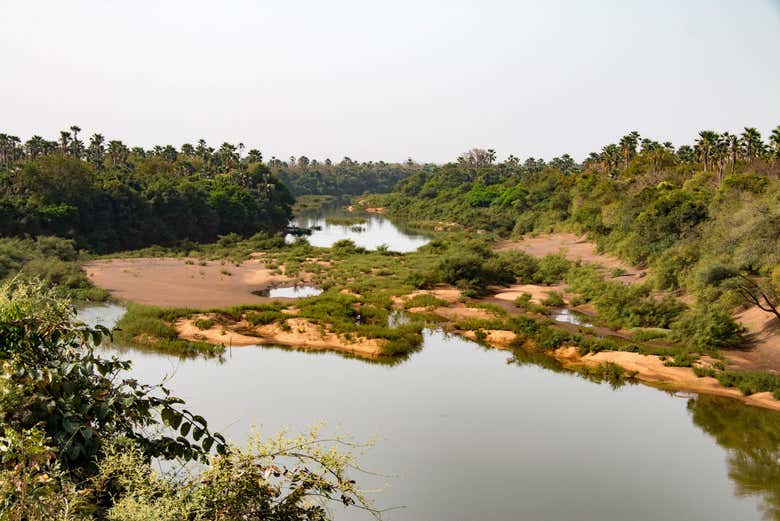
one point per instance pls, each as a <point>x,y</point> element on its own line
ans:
<point>298,231</point>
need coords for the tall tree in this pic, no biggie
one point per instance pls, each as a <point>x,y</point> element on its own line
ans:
<point>704,144</point>
<point>751,141</point>
<point>628,145</point>
<point>96,151</point>
<point>774,140</point>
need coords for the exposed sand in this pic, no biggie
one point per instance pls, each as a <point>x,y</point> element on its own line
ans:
<point>495,337</point>
<point>573,248</point>
<point>538,293</point>
<point>447,294</point>
<point>763,349</point>
<point>651,369</point>
<point>460,312</point>
<point>303,334</point>
<point>173,282</point>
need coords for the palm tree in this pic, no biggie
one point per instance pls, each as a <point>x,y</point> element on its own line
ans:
<point>705,143</point>
<point>628,145</point>
<point>610,158</point>
<point>5,149</point>
<point>76,147</point>
<point>774,140</point>
<point>719,153</point>
<point>117,153</point>
<point>254,156</point>
<point>35,146</point>
<point>686,154</point>
<point>732,145</point>
<point>751,139</point>
<point>64,142</point>
<point>96,151</point>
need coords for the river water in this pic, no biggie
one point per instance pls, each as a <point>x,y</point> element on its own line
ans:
<point>376,231</point>
<point>469,433</point>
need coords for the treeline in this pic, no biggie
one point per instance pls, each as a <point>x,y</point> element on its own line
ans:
<point>109,197</point>
<point>697,214</point>
<point>306,176</point>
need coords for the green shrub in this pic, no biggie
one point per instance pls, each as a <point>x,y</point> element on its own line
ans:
<point>707,329</point>
<point>750,382</point>
<point>425,300</point>
<point>261,318</point>
<point>553,300</point>
<point>204,323</point>
<point>552,269</point>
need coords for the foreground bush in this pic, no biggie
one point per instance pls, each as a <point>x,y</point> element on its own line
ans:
<point>78,438</point>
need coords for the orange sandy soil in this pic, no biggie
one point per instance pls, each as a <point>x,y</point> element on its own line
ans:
<point>174,283</point>
<point>446,293</point>
<point>763,349</point>
<point>649,369</point>
<point>574,248</point>
<point>303,334</point>
<point>761,353</point>
<point>538,293</point>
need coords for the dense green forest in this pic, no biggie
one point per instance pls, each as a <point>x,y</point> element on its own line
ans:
<point>108,197</point>
<point>696,214</point>
<point>305,176</point>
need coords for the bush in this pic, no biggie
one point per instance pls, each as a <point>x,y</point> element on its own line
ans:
<point>425,300</point>
<point>204,323</point>
<point>261,318</point>
<point>552,269</point>
<point>750,382</point>
<point>707,329</point>
<point>553,300</point>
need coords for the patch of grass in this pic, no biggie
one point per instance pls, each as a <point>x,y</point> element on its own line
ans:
<point>751,382</point>
<point>261,318</point>
<point>152,327</point>
<point>204,323</point>
<point>609,372</point>
<point>524,302</point>
<point>645,335</point>
<point>425,300</point>
<point>345,221</point>
<point>487,306</point>
<point>553,300</point>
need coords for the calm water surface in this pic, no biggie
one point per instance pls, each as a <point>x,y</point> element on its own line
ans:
<point>468,433</point>
<point>377,231</point>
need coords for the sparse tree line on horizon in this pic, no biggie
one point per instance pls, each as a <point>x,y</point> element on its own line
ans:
<point>715,151</point>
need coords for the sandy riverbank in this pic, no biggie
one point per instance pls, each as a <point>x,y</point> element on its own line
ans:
<point>574,248</point>
<point>649,369</point>
<point>302,334</point>
<point>180,282</point>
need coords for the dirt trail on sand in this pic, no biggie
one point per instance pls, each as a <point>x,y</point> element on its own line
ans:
<point>179,282</point>
<point>573,248</point>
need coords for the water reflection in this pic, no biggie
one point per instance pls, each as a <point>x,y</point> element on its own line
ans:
<point>570,317</point>
<point>751,437</point>
<point>375,232</point>
<point>527,436</point>
<point>296,291</point>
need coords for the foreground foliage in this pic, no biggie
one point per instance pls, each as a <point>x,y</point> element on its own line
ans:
<point>79,437</point>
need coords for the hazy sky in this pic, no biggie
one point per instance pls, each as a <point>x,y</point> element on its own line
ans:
<point>393,79</point>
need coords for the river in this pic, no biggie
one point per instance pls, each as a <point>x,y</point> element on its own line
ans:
<point>469,433</point>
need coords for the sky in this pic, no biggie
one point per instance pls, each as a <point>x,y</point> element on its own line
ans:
<point>389,80</point>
